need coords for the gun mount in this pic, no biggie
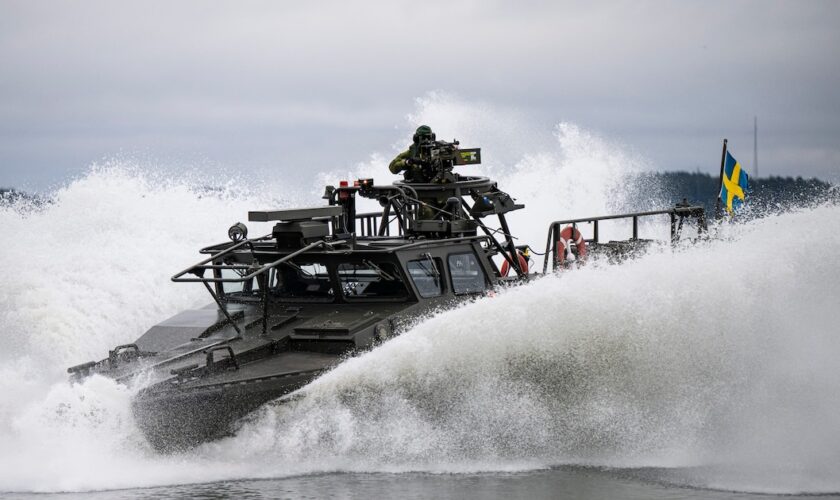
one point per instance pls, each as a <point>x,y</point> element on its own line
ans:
<point>435,161</point>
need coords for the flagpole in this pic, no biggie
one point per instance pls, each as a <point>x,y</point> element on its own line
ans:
<point>718,215</point>
<point>755,145</point>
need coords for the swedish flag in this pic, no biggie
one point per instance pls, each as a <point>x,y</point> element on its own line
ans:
<point>734,185</point>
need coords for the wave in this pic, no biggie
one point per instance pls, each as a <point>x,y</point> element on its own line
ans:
<point>718,359</point>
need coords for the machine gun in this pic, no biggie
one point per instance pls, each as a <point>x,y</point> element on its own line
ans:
<point>436,160</point>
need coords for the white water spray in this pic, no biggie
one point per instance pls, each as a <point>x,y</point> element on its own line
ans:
<point>719,356</point>
<point>701,358</point>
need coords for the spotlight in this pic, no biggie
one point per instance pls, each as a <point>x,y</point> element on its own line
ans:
<point>237,232</point>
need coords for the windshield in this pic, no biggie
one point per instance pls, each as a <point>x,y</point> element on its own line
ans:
<point>426,277</point>
<point>366,280</point>
<point>295,280</point>
<point>466,273</point>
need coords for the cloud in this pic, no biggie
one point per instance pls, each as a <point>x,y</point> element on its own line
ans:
<point>668,78</point>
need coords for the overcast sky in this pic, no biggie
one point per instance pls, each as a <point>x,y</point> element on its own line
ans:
<point>291,85</point>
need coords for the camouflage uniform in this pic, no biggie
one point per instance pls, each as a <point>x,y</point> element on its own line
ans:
<point>413,172</point>
<point>400,163</point>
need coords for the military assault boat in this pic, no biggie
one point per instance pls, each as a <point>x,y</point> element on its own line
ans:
<point>328,282</point>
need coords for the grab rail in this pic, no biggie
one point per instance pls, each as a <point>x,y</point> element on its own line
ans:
<point>203,266</point>
<point>376,224</point>
<point>681,211</point>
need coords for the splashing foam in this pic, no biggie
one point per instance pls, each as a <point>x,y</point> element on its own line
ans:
<point>85,272</point>
<point>689,359</point>
<point>721,356</point>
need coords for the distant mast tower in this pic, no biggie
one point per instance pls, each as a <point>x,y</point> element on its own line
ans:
<point>755,145</point>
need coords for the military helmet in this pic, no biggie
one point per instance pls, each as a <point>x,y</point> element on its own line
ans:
<point>423,131</point>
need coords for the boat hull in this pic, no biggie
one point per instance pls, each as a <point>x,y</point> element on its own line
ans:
<point>175,419</point>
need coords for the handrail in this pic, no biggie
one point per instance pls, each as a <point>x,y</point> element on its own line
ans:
<point>260,270</point>
<point>226,251</point>
<point>464,183</point>
<point>379,223</point>
<point>420,243</point>
<point>681,210</point>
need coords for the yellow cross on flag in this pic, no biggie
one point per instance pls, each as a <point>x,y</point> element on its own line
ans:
<point>735,184</point>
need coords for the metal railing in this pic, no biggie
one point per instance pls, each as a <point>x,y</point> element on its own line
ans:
<point>377,224</point>
<point>199,268</point>
<point>677,215</point>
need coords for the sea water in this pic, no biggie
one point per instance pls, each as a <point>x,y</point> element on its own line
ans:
<point>703,370</point>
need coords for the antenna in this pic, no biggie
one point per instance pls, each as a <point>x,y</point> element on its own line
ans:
<point>755,145</point>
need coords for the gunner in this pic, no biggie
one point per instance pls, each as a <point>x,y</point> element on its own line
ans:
<point>409,160</point>
<point>411,164</point>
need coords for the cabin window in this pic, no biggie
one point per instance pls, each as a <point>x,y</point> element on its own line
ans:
<point>231,287</point>
<point>238,289</point>
<point>368,279</point>
<point>425,274</point>
<point>291,281</point>
<point>467,274</point>
<point>303,280</point>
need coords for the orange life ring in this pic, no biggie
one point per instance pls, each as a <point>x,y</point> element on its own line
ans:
<point>568,235</point>
<point>523,264</point>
